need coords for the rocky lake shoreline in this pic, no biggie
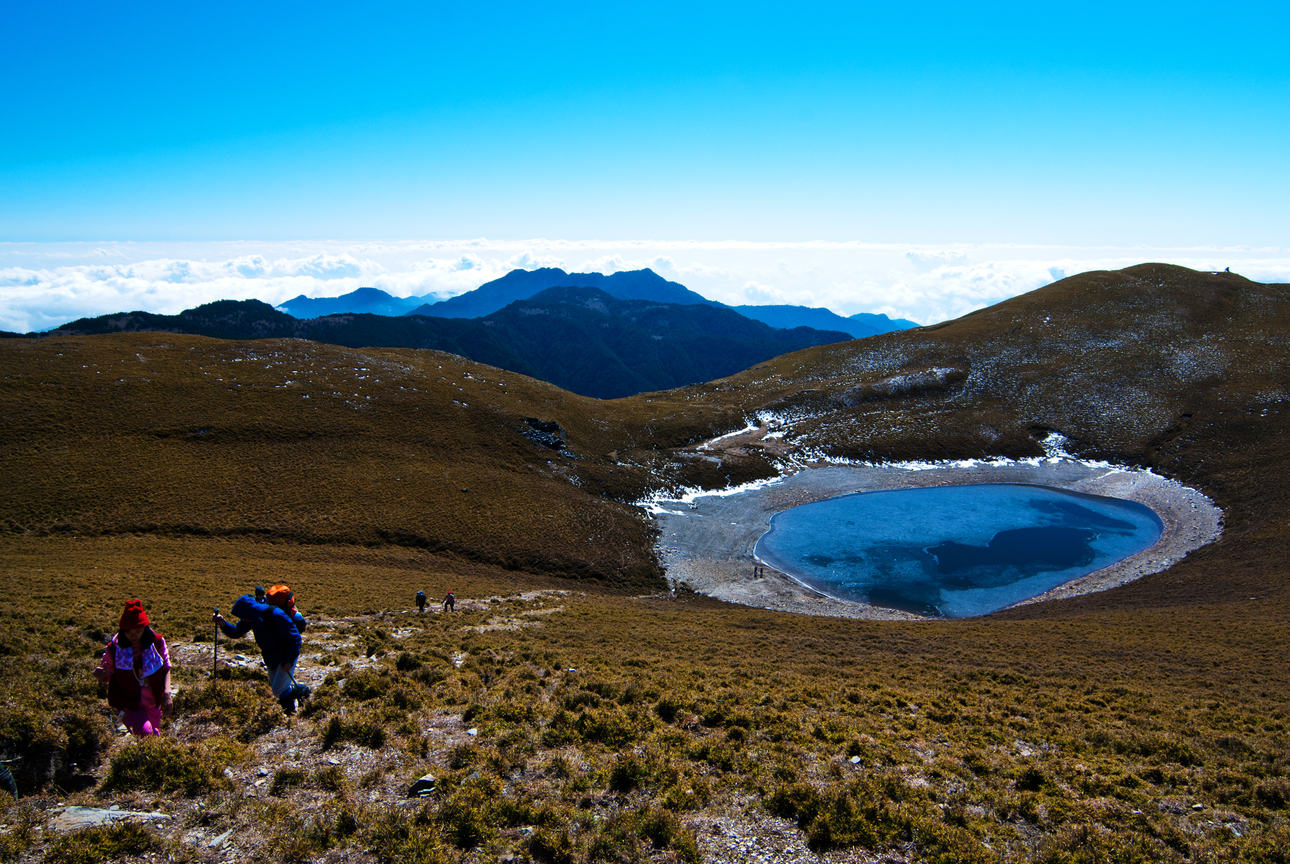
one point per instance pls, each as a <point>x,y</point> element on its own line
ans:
<point>708,541</point>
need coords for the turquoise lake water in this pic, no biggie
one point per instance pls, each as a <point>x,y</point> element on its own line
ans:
<point>954,551</point>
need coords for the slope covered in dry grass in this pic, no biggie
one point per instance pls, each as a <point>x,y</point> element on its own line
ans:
<point>616,722</point>
<point>296,441</point>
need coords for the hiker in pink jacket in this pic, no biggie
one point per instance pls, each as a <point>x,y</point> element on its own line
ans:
<point>136,668</point>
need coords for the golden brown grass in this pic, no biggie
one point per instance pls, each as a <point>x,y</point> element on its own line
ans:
<point>1084,730</point>
<point>1046,740</point>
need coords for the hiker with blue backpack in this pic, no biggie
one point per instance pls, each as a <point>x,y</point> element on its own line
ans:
<point>276,625</point>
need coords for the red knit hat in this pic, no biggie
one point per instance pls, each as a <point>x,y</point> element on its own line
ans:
<point>134,616</point>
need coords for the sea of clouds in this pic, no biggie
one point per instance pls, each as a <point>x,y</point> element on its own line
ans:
<point>43,285</point>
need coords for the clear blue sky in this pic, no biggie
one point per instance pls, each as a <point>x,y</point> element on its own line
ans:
<point>1086,124</point>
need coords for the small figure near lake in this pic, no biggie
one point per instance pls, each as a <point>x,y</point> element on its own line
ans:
<point>449,602</point>
<point>136,668</point>
<point>421,601</point>
<point>277,628</point>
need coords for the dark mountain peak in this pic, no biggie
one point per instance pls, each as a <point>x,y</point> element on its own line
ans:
<point>522,284</point>
<point>642,285</point>
<point>373,301</point>
<point>242,309</point>
<point>223,319</point>
<point>539,274</point>
<point>368,294</point>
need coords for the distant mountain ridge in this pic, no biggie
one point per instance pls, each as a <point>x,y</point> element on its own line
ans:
<point>597,345</point>
<point>624,285</point>
<point>373,301</point>
<point>860,325</point>
<point>523,284</point>
<point>581,339</point>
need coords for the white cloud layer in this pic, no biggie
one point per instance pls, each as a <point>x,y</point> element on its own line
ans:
<point>44,285</point>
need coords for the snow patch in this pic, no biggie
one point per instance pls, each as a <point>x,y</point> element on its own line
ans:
<point>751,427</point>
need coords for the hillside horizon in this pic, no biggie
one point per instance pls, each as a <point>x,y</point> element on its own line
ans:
<point>579,338</point>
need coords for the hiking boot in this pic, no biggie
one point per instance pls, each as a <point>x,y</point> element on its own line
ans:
<point>288,703</point>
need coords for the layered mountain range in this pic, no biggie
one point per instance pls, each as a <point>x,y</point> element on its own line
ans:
<point>599,335</point>
<point>625,285</point>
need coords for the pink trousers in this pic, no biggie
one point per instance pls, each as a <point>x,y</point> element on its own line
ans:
<point>145,721</point>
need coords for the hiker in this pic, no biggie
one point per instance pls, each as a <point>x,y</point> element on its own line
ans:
<point>136,668</point>
<point>421,601</point>
<point>259,593</point>
<point>449,602</point>
<point>279,640</point>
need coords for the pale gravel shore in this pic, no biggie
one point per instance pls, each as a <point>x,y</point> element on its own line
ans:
<point>708,542</point>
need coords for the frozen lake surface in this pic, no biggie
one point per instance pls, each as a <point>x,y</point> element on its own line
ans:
<point>954,551</point>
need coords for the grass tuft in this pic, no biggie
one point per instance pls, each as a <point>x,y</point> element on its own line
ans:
<point>159,764</point>
<point>101,843</point>
<point>365,732</point>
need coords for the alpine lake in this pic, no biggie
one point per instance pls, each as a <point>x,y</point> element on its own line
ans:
<point>954,551</point>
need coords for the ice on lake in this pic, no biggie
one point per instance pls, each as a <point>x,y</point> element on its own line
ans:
<point>954,551</point>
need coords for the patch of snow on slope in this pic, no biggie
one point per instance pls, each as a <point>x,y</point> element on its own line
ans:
<point>751,427</point>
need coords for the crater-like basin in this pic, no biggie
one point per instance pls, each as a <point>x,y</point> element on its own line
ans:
<point>954,551</point>
<point>708,541</point>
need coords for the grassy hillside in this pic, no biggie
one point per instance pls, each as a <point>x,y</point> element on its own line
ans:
<point>613,721</point>
<point>580,339</point>
<point>292,440</point>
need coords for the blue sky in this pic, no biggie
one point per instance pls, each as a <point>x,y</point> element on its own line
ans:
<point>1081,126</point>
<point>919,123</point>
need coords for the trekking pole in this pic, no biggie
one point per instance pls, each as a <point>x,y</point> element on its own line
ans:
<point>296,687</point>
<point>295,683</point>
<point>215,650</point>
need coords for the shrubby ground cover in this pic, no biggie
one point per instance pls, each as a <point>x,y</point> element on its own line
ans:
<point>615,720</point>
<point>608,724</point>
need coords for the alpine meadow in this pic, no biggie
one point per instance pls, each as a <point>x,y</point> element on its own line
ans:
<point>577,706</point>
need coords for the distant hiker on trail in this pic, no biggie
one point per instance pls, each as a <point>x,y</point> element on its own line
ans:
<point>279,640</point>
<point>421,601</point>
<point>136,668</point>
<point>449,602</point>
<point>259,593</point>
